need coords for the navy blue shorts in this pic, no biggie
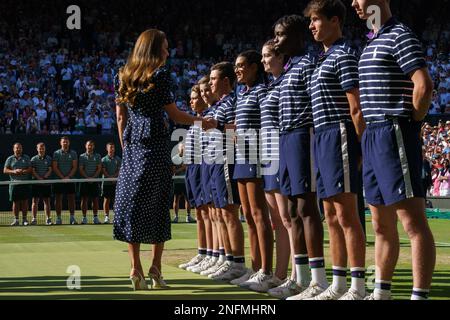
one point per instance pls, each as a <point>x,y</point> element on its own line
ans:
<point>194,185</point>
<point>224,188</point>
<point>205,173</point>
<point>271,181</point>
<point>336,154</point>
<point>296,162</point>
<point>392,162</point>
<point>247,171</point>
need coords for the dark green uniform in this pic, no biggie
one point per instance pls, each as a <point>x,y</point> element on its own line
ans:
<point>41,166</point>
<point>111,165</point>
<point>90,164</point>
<point>64,163</point>
<point>20,192</point>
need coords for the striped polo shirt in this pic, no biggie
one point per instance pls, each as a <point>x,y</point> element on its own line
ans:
<point>386,62</point>
<point>13,163</point>
<point>248,122</point>
<point>206,136</point>
<point>90,162</point>
<point>225,114</point>
<point>111,165</point>
<point>193,144</point>
<point>335,74</point>
<point>295,103</point>
<point>41,164</point>
<point>64,160</point>
<point>270,122</point>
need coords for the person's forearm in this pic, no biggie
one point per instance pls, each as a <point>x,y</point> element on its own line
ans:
<point>355,112</point>
<point>122,119</point>
<point>72,172</point>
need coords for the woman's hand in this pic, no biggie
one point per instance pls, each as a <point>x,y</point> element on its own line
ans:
<point>209,123</point>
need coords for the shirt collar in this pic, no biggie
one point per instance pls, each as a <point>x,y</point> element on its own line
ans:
<point>372,35</point>
<point>324,55</point>
<point>293,60</point>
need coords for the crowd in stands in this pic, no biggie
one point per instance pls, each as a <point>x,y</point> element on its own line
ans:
<point>59,81</point>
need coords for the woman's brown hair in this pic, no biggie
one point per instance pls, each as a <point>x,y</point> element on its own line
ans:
<point>145,59</point>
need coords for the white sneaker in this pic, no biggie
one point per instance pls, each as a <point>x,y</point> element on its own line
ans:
<point>352,295</point>
<point>25,222</point>
<point>224,268</point>
<point>206,258</point>
<point>205,266</point>
<point>195,260</point>
<point>275,282</point>
<point>313,290</point>
<point>106,220</point>
<point>372,297</point>
<point>234,272</point>
<point>202,263</point>
<point>244,278</point>
<point>84,220</point>
<point>328,294</point>
<point>261,282</point>
<point>287,289</point>
<point>48,222</point>
<point>34,222</point>
<point>249,281</point>
<point>15,223</point>
<point>213,268</point>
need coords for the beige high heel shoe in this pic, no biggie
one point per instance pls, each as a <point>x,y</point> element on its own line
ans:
<point>138,281</point>
<point>156,279</point>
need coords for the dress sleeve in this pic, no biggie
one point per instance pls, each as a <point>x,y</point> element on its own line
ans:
<point>164,85</point>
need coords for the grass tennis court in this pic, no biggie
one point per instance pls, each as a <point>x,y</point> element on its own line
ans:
<point>34,261</point>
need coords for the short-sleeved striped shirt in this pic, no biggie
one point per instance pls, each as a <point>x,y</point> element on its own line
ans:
<point>111,165</point>
<point>64,160</point>
<point>205,136</point>
<point>90,163</point>
<point>225,114</point>
<point>295,102</point>
<point>41,164</point>
<point>335,74</point>
<point>14,163</point>
<point>270,121</point>
<point>386,62</point>
<point>193,144</point>
<point>248,121</point>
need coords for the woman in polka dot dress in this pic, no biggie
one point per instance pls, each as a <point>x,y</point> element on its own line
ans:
<point>143,94</point>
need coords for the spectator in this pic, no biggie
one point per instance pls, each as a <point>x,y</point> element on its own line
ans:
<point>91,122</point>
<point>110,167</point>
<point>444,178</point>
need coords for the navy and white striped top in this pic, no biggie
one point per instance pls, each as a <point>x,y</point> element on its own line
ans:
<point>248,122</point>
<point>209,113</point>
<point>225,114</point>
<point>270,121</point>
<point>384,68</point>
<point>295,103</point>
<point>335,74</point>
<point>193,149</point>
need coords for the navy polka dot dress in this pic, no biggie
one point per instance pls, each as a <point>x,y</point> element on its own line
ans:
<point>141,210</point>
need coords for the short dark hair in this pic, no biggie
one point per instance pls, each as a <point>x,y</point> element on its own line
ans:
<point>293,23</point>
<point>64,138</point>
<point>254,57</point>
<point>226,70</point>
<point>328,8</point>
<point>90,141</point>
<point>110,144</point>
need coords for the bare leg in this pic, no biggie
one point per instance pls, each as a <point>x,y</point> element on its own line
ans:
<point>255,251</point>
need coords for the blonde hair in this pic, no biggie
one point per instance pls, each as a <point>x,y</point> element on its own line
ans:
<point>145,59</point>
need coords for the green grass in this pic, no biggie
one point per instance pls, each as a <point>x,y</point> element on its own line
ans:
<point>34,261</point>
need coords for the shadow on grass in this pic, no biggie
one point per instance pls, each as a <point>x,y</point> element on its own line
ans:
<point>100,288</point>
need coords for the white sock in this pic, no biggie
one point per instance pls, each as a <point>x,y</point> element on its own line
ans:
<point>420,294</point>
<point>382,290</point>
<point>318,273</point>
<point>339,279</point>
<point>303,276</point>
<point>358,280</point>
